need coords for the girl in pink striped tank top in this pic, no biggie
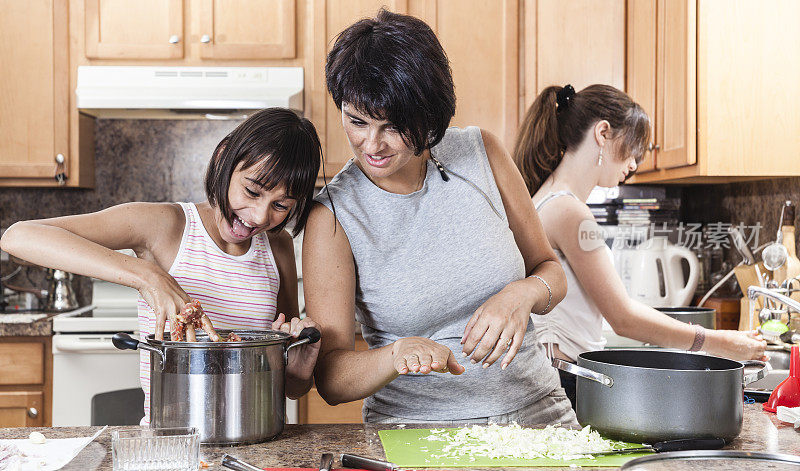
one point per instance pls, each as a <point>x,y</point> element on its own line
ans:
<point>230,253</point>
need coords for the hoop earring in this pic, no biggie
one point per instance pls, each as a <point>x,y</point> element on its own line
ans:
<point>600,157</point>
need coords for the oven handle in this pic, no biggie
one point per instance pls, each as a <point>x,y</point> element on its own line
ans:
<point>78,344</point>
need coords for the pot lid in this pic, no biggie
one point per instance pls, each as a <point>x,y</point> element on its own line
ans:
<point>249,338</point>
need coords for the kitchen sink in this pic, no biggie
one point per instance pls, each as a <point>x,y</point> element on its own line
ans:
<point>778,359</point>
<point>768,383</point>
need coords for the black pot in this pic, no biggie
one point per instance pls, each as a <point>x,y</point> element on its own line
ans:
<point>648,396</point>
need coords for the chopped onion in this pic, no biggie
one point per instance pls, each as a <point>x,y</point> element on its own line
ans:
<point>513,441</point>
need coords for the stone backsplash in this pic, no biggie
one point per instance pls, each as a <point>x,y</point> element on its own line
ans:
<point>747,203</point>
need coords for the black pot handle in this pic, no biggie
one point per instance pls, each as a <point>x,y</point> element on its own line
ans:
<point>311,333</point>
<point>689,444</point>
<point>307,335</point>
<point>124,341</point>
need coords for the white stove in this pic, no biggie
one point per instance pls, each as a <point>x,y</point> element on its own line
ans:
<point>94,383</point>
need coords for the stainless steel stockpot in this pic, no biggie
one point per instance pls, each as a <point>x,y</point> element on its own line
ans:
<point>233,392</point>
<point>704,316</point>
<point>648,396</point>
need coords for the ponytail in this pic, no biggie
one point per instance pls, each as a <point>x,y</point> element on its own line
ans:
<point>558,120</point>
<point>538,149</point>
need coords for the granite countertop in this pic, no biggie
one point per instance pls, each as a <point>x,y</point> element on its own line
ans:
<point>302,445</point>
<point>26,324</point>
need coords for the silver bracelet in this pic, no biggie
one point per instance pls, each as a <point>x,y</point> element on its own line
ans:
<point>549,293</point>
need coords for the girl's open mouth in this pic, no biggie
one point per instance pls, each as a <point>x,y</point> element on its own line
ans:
<point>241,229</point>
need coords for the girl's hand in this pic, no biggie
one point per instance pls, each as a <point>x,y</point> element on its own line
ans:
<point>422,355</point>
<point>498,326</point>
<point>302,359</point>
<point>735,345</point>
<point>165,296</point>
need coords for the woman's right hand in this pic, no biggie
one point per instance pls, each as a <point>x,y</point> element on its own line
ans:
<point>166,297</point>
<point>423,355</point>
<point>735,344</point>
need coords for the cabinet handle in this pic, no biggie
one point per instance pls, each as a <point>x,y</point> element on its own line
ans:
<point>33,413</point>
<point>61,172</point>
<point>205,39</point>
<point>652,147</point>
<point>174,39</point>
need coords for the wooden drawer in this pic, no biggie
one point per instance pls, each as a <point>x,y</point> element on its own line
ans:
<point>315,410</point>
<point>21,409</point>
<point>21,363</point>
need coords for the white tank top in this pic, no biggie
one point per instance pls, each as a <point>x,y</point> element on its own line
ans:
<point>576,323</point>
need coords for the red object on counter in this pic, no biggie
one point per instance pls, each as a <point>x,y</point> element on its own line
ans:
<point>788,392</point>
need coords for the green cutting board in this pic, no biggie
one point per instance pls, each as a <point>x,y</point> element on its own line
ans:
<point>408,448</point>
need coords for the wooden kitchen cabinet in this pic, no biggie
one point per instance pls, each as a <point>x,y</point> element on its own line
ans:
<point>577,42</point>
<point>247,29</point>
<point>725,95</point>
<point>144,29</point>
<point>218,29</point>
<point>21,409</point>
<point>34,96</point>
<point>26,381</point>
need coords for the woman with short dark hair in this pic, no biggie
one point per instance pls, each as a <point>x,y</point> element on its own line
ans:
<point>428,236</point>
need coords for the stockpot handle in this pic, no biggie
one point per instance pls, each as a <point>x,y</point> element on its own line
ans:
<point>124,341</point>
<point>576,370</point>
<point>760,374</point>
<point>307,335</point>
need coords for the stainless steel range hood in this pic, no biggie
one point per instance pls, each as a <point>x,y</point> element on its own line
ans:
<point>133,92</point>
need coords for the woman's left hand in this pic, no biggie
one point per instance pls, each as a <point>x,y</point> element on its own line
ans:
<point>498,326</point>
<point>302,359</point>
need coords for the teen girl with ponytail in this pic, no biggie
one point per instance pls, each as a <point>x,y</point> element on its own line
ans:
<point>568,144</point>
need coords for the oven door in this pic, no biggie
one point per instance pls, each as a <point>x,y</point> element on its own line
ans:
<point>88,365</point>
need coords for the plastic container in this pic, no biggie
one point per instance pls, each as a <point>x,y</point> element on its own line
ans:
<point>787,393</point>
<point>156,449</point>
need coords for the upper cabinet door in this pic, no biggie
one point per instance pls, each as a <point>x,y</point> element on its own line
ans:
<point>127,29</point>
<point>247,29</point>
<point>577,42</point>
<point>641,67</point>
<point>481,40</point>
<point>676,97</point>
<point>34,92</point>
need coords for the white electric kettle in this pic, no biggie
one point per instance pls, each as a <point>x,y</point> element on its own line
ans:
<point>652,273</point>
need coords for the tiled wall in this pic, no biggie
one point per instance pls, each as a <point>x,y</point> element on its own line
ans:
<point>142,160</point>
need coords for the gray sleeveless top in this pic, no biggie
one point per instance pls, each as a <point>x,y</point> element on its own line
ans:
<point>424,263</point>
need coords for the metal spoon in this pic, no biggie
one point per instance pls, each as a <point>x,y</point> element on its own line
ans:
<point>775,254</point>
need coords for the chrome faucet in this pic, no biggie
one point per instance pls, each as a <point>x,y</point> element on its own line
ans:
<point>753,292</point>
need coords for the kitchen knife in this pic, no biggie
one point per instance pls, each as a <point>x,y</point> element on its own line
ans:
<point>361,462</point>
<point>236,464</point>
<point>326,462</point>
<point>671,445</point>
